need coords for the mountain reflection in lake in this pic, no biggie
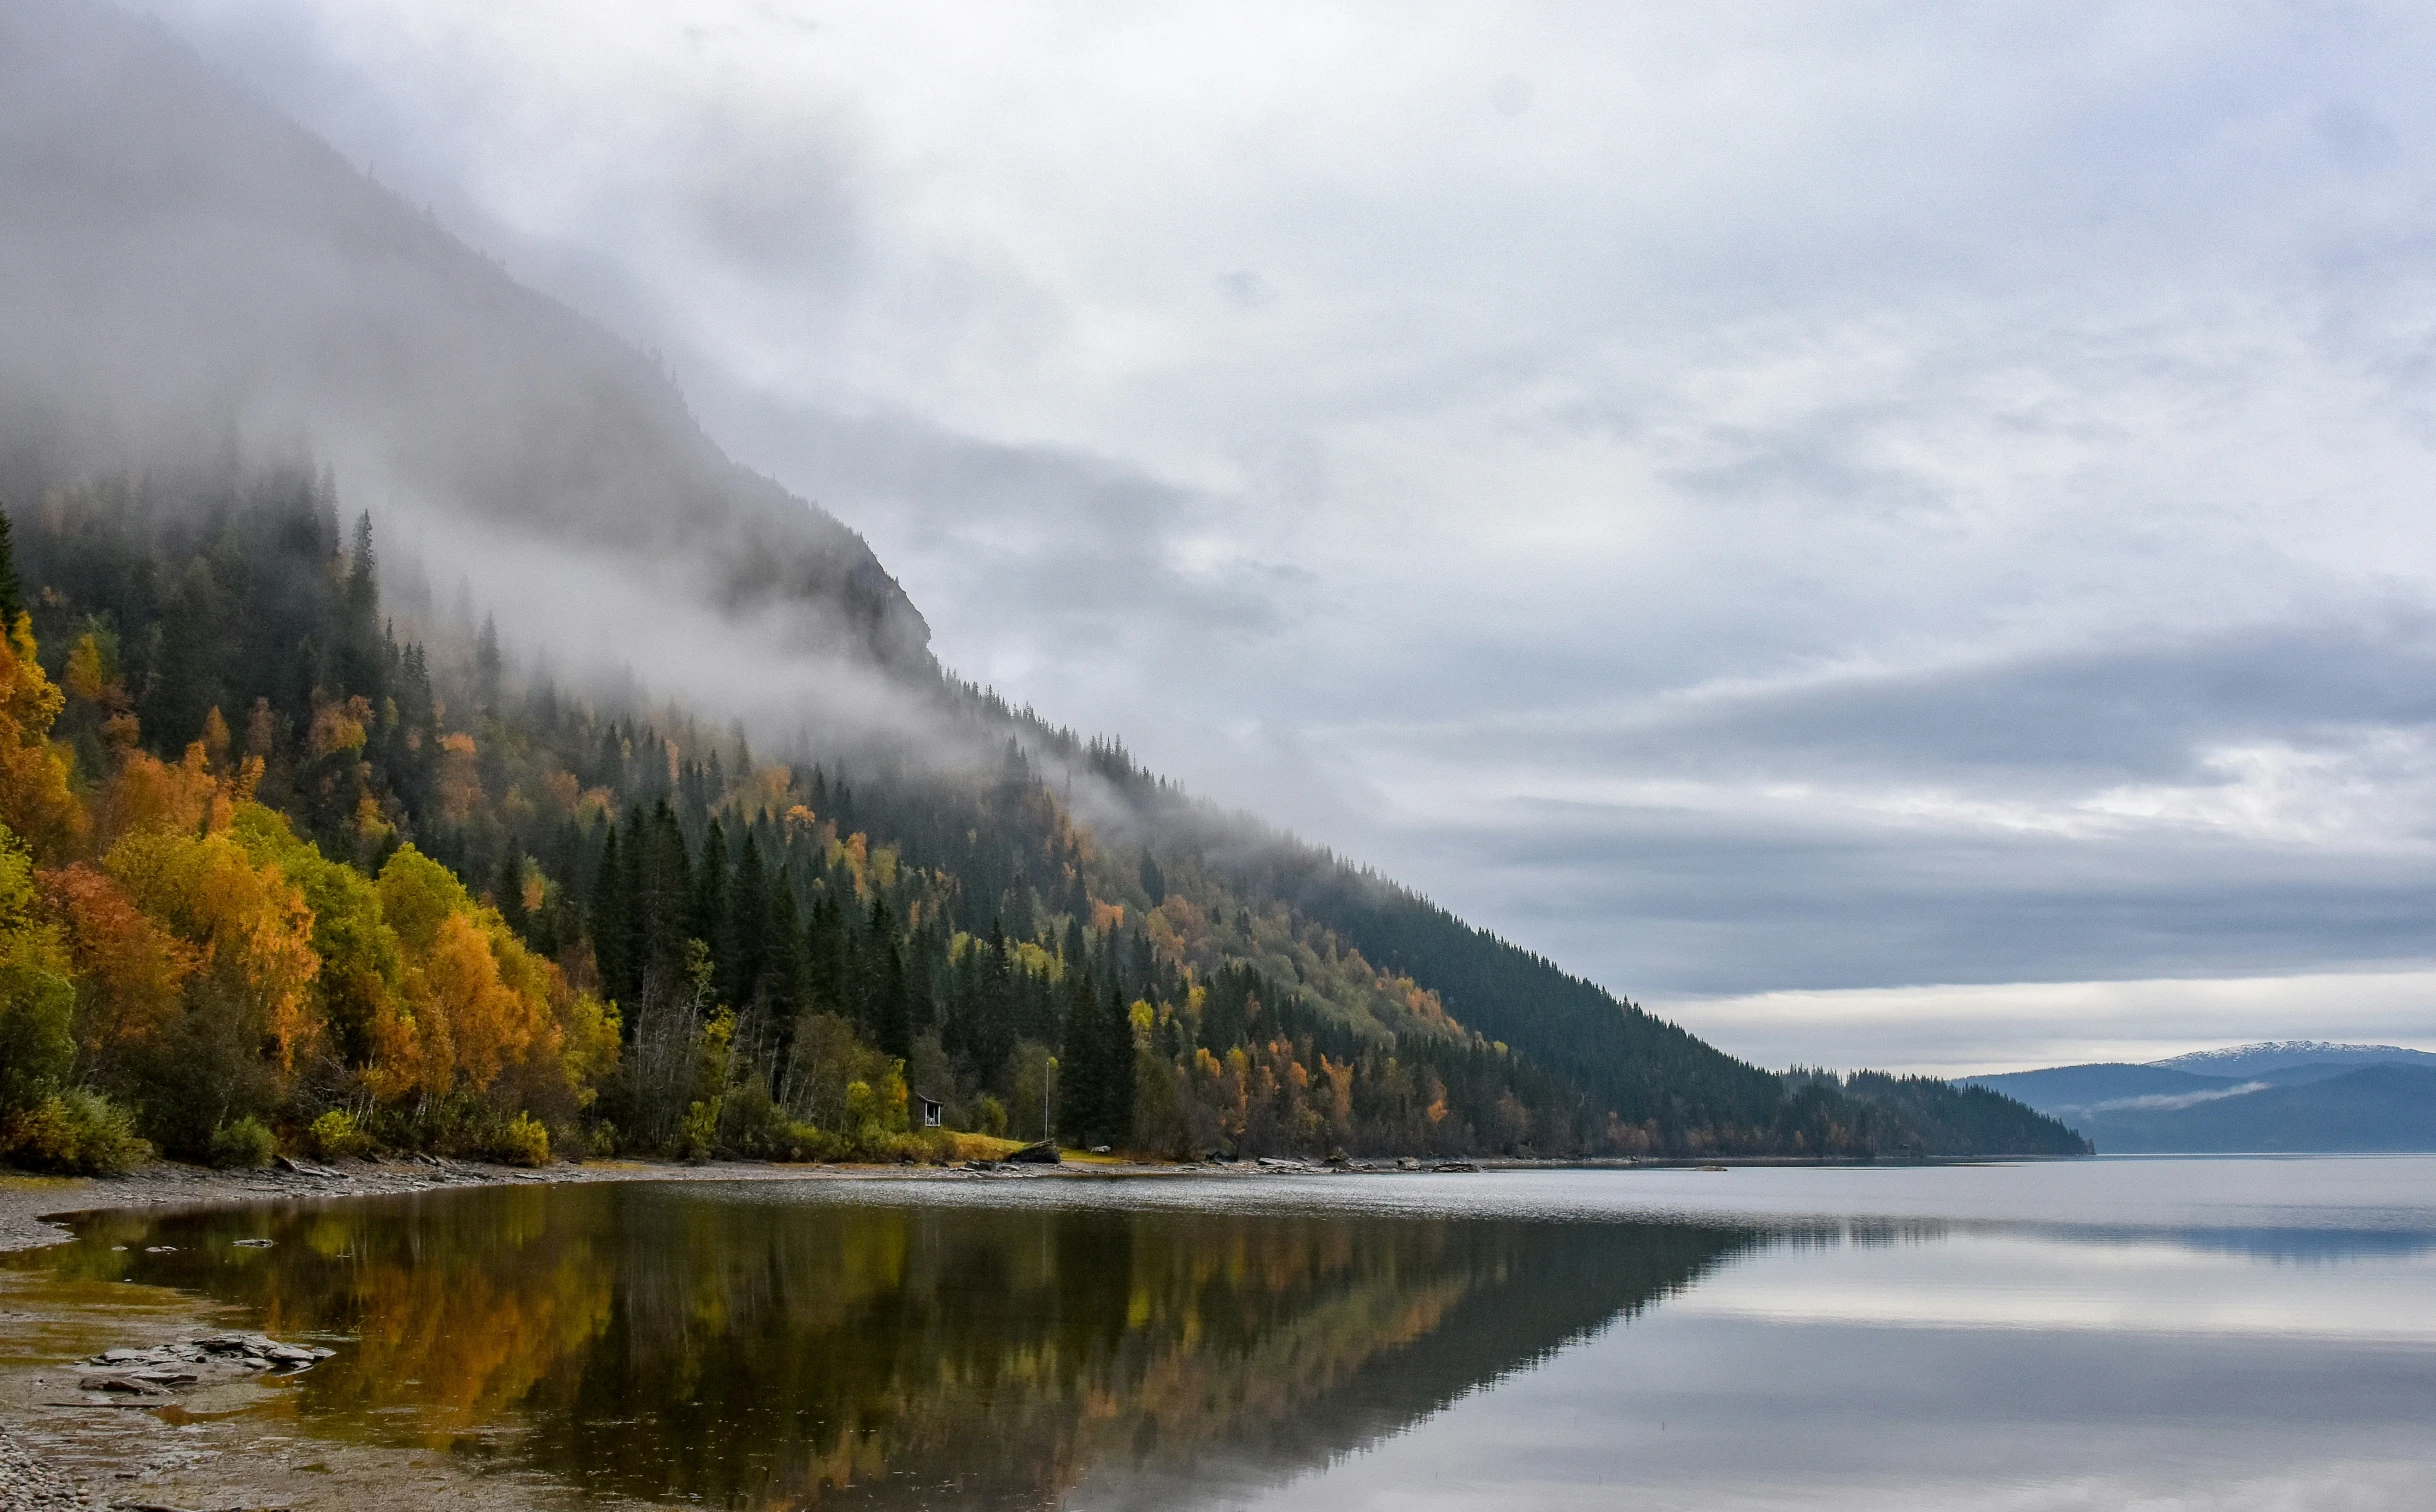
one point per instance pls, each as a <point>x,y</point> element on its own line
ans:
<point>1272,1342</point>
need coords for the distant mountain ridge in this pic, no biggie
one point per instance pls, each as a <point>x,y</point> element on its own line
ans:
<point>2278,1055</point>
<point>2273,1096</point>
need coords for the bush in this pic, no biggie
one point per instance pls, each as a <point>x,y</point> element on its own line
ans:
<point>523,1141</point>
<point>699,1132</point>
<point>989,1116</point>
<point>36,1046</point>
<point>76,1133</point>
<point>245,1143</point>
<point>755,1128</point>
<point>336,1136</point>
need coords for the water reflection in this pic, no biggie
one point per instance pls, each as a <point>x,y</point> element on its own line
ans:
<point>1926,1338</point>
<point>686,1341</point>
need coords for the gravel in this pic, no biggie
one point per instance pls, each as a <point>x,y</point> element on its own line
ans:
<point>28,1485</point>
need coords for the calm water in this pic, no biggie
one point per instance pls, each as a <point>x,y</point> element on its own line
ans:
<point>2159,1333</point>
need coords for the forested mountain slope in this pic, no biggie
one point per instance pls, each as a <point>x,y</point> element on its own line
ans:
<point>779,946</point>
<point>232,369</point>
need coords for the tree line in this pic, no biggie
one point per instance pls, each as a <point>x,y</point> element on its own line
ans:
<point>717,952</point>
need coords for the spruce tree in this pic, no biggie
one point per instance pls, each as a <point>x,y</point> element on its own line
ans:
<point>1081,1079</point>
<point>743,941</point>
<point>707,912</point>
<point>510,894</point>
<point>12,601</point>
<point>1116,1071</point>
<point>612,952</point>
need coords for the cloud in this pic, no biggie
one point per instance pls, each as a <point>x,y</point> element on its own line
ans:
<point>1958,1029</point>
<point>1772,499</point>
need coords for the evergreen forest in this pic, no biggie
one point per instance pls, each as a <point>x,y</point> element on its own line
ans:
<point>286,868</point>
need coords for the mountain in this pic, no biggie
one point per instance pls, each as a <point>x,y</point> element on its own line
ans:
<point>2389,1106</point>
<point>2292,1055</point>
<point>183,269</point>
<point>2284,1095</point>
<point>462,900</point>
<point>2066,1090</point>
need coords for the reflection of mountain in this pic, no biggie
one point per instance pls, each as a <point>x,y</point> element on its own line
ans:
<point>691,1342</point>
<point>2290,1096</point>
<point>2304,1245</point>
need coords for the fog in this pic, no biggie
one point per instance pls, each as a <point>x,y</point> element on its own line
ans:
<point>1754,505</point>
<point>184,274</point>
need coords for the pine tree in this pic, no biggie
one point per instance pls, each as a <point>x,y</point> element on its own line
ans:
<point>894,1021</point>
<point>743,941</point>
<point>612,936</point>
<point>509,895</point>
<point>1081,1076</point>
<point>707,912</point>
<point>12,600</point>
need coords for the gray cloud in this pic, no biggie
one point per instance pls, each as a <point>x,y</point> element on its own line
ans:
<point>1770,498</point>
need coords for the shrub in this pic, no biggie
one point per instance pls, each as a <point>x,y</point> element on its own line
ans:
<point>36,1046</point>
<point>336,1136</point>
<point>244,1142</point>
<point>756,1128</point>
<point>700,1128</point>
<point>524,1141</point>
<point>989,1116</point>
<point>76,1133</point>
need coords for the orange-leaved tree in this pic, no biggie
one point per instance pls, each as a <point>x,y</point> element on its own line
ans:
<point>37,802</point>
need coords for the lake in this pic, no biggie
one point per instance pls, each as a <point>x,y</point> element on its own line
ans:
<point>2220,1333</point>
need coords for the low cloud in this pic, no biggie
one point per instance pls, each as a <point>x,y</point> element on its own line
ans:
<point>1777,500</point>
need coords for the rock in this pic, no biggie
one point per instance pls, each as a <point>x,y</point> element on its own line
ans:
<point>126,1384</point>
<point>1043,1153</point>
<point>28,1484</point>
<point>1455,1165</point>
<point>1408,1164</point>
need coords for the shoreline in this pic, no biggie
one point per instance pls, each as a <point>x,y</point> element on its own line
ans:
<point>35,1210</point>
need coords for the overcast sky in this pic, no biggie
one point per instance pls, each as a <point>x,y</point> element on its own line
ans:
<point>1894,533</point>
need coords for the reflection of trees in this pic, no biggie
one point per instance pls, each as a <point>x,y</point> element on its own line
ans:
<point>672,1341</point>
